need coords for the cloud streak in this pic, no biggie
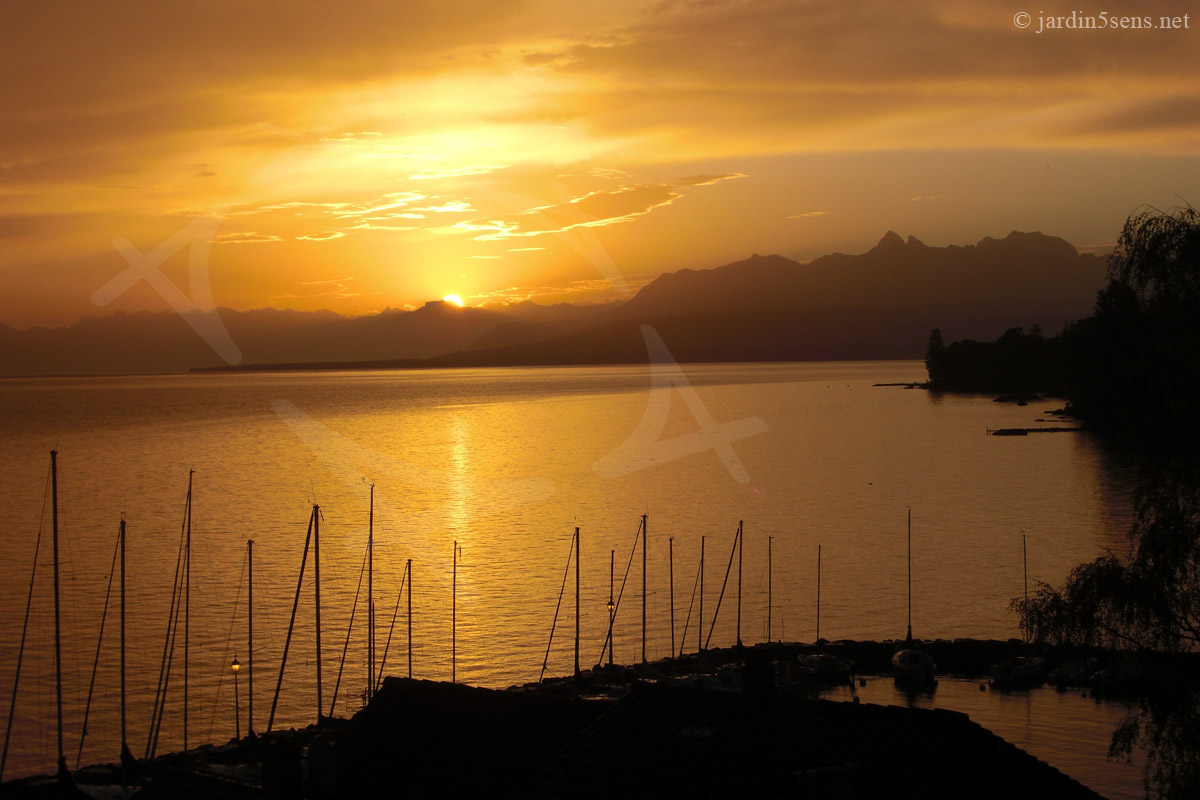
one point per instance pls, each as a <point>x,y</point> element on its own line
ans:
<point>587,291</point>
<point>321,237</point>
<point>327,287</point>
<point>596,209</point>
<point>246,237</point>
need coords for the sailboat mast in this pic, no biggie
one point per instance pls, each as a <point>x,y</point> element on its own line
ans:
<point>250,636</point>
<point>316,527</point>
<point>671,578</point>
<point>700,620</point>
<point>172,636</point>
<point>769,595</point>
<point>410,579</point>
<point>910,573</point>
<point>818,593</point>
<point>187,602</point>
<point>123,726</point>
<point>1025,567</point>
<point>612,561</point>
<point>12,707</point>
<point>287,642</point>
<point>454,615</point>
<point>739,603</point>
<point>62,759</point>
<point>577,602</point>
<point>645,536</point>
<point>371,596</point>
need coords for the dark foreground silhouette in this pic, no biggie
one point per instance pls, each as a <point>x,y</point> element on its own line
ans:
<point>437,739</point>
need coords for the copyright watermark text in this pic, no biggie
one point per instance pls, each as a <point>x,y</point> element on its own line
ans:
<point>1100,21</point>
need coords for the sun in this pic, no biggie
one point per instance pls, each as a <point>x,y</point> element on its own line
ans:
<point>453,298</point>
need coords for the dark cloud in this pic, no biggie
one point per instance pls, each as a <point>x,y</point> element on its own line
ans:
<point>1175,112</point>
<point>94,54</point>
<point>770,44</point>
<point>18,226</point>
<point>95,81</point>
<point>725,68</point>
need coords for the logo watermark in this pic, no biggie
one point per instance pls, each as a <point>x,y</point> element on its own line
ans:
<point>1103,20</point>
<point>199,310</point>
<point>643,449</point>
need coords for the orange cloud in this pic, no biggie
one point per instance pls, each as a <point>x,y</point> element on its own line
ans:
<point>247,237</point>
<point>707,180</point>
<point>321,237</point>
<point>594,210</point>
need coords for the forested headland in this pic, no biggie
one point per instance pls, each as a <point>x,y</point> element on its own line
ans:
<point>1132,369</point>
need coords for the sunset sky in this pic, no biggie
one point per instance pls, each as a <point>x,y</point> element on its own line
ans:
<point>382,154</point>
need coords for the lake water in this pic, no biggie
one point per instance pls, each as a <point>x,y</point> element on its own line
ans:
<point>507,462</point>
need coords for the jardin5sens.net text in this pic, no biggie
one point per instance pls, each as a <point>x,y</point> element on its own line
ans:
<point>1103,20</point>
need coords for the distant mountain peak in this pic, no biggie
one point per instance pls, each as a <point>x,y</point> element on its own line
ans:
<point>1029,241</point>
<point>755,259</point>
<point>890,241</point>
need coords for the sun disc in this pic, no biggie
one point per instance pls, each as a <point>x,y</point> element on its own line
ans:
<point>453,298</point>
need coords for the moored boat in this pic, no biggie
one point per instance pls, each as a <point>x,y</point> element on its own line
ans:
<point>911,665</point>
<point>827,669</point>
<point>1016,669</point>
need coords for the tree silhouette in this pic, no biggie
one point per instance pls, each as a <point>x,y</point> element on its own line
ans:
<point>1158,256</point>
<point>1148,603</point>
<point>1133,370</point>
<point>934,350</point>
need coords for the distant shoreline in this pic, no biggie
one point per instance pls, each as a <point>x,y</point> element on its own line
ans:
<point>438,363</point>
<point>420,365</point>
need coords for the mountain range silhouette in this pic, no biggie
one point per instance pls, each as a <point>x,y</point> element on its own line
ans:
<point>876,305</point>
